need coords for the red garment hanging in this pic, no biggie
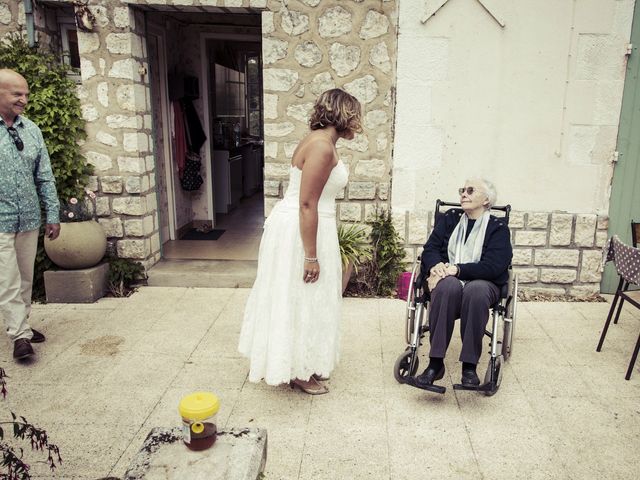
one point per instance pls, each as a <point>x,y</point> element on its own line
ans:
<point>179,140</point>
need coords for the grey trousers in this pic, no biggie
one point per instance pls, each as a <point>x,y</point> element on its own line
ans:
<point>449,301</point>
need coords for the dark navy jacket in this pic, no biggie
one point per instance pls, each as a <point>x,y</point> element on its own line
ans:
<point>496,250</point>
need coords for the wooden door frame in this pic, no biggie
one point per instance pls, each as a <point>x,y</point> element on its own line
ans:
<point>167,146</point>
<point>206,106</point>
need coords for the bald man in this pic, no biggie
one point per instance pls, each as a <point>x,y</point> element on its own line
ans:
<point>26,183</point>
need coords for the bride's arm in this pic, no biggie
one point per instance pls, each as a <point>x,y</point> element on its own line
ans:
<point>319,161</point>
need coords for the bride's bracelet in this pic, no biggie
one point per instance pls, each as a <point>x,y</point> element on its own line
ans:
<point>311,259</point>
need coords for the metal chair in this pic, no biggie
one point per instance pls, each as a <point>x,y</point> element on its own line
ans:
<point>623,285</point>
<point>627,262</point>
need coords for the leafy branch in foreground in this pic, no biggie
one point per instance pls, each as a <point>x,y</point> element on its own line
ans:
<point>16,468</point>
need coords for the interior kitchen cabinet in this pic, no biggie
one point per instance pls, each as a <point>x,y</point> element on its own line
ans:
<point>228,181</point>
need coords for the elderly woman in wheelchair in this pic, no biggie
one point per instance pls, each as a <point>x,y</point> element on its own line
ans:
<point>467,259</point>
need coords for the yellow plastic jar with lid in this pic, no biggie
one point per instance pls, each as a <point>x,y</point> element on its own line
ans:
<point>198,411</point>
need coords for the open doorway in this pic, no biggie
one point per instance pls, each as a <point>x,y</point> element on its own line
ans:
<point>206,78</point>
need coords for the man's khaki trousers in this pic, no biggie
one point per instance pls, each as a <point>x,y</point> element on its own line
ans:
<point>17,258</point>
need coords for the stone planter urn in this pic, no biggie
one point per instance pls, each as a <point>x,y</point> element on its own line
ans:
<point>79,245</point>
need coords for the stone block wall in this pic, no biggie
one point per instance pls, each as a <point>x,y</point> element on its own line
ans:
<point>554,253</point>
<point>310,46</point>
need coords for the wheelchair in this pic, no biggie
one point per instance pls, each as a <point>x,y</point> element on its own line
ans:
<point>503,322</point>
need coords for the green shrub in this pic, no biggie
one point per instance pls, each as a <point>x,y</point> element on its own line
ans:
<point>354,245</point>
<point>123,274</point>
<point>54,107</point>
<point>378,276</point>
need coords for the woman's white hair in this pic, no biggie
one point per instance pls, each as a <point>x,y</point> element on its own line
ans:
<point>489,190</point>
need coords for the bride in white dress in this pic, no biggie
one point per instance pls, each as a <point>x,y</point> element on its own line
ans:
<point>290,331</point>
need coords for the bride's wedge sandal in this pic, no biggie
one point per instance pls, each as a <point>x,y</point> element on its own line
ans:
<point>311,387</point>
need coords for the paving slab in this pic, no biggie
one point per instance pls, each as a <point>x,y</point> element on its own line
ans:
<point>111,371</point>
<point>237,454</point>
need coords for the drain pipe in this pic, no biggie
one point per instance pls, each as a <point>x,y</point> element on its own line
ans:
<point>28,12</point>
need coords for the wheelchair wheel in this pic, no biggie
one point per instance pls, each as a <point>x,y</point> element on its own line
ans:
<point>406,365</point>
<point>411,303</point>
<point>497,375</point>
<point>510,319</point>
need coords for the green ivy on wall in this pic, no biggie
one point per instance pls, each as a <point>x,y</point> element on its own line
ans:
<point>55,108</point>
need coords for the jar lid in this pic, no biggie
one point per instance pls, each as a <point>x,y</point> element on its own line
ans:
<point>199,405</point>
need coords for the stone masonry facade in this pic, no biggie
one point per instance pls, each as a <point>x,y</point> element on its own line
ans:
<point>554,254</point>
<point>308,47</point>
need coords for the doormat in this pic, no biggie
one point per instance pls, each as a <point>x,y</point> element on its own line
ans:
<point>194,234</point>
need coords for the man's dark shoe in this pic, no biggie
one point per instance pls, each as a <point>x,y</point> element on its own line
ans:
<point>22,349</point>
<point>427,377</point>
<point>37,336</point>
<point>470,378</point>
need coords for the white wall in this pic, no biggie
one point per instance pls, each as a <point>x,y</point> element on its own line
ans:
<point>533,106</point>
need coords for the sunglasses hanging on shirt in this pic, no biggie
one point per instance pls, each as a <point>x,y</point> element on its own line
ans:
<point>16,138</point>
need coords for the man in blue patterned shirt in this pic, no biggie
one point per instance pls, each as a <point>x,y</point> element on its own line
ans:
<point>26,181</point>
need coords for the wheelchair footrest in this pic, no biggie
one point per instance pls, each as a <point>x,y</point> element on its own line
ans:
<point>429,388</point>
<point>485,387</point>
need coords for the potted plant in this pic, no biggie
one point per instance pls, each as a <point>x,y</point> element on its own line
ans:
<point>354,249</point>
<point>82,242</point>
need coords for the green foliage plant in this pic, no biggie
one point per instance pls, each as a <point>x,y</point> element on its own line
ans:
<point>123,274</point>
<point>54,107</point>
<point>378,276</point>
<point>354,245</point>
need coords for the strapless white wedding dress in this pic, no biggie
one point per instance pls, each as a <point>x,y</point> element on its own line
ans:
<point>291,329</point>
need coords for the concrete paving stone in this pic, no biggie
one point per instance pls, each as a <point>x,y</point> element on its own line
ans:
<point>70,366</point>
<point>164,342</point>
<point>354,453</point>
<point>562,411</point>
<point>87,451</point>
<point>354,374</point>
<point>120,466</point>
<point>347,410</point>
<point>98,404</point>
<point>607,439</point>
<point>40,404</point>
<point>506,438</point>
<point>284,453</point>
<point>603,378</point>
<point>236,454</point>
<point>203,311</point>
<point>150,369</point>
<point>551,382</point>
<point>216,373</point>
<point>524,351</point>
<point>411,411</point>
<point>431,450</point>
<point>280,408</point>
<point>166,414</point>
<point>218,342</point>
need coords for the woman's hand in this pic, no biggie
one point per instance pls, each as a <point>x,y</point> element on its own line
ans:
<point>451,270</point>
<point>439,269</point>
<point>444,270</point>
<point>311,271</point>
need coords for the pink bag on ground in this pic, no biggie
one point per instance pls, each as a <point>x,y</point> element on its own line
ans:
<point>403,285</point>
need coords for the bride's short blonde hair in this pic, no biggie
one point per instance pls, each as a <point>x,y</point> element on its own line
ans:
<point>339,109</point>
